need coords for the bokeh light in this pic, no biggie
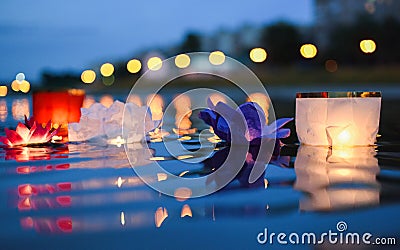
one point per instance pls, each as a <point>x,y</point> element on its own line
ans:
<point>108,81</point>
<point>331,65</point>
<point>258,55</point>
<point>368,46</point>
<point>216,98</point>
<point>107,69</point>
<point>134,66</point>
<point>88,76</point>
<point>262,100</point>
<point>135,99</point>
<point>3,91</point>
<point>216,58</point>
<point>182,61</point>
<point>15,86</point>
<point>154,63</point>
<point>88,101</point>
<point>20,108</point>
<point>24,86</point>
<point>107,100</point>
<point>308,50</point>
<point>20,77</point>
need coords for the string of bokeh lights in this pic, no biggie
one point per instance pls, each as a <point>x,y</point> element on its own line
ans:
<point>256,55</point>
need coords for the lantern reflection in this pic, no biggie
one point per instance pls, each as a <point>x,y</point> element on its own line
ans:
<point>337,178</point>
<point>20,108</point>
<point>3,110</point>
<point>182,104</point>
<point>156,104</point>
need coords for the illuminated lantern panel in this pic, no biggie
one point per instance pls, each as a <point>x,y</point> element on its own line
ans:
<point>338,119</point>
<point>61,107</point>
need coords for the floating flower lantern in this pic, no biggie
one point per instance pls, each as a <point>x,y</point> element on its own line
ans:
<point>253,131</point>
<point>61,107</point>
<point>29,133</point>
<point>338,118</point>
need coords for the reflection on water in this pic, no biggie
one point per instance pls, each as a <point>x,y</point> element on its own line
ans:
<point>3,110</point>
<point>20,108</point>
<point>88,188</point>
<point>337,178</point>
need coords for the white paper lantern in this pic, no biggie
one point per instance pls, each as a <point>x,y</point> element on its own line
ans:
<point>338,118</point>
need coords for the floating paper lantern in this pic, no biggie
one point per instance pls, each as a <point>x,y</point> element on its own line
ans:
<point>59,107</point>
<point>338,118</point>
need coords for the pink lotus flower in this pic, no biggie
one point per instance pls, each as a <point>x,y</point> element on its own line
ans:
<point>29,133</point>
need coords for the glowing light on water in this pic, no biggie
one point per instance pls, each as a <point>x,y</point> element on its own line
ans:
<point>156,104</point>
<point>3,91</point>
<point>186,211</point>
<point>88,76</point>
<point>107,69</point>
<point>368,46</point>
<point>134,66</point>
<point>182,61</point>
<point>160,215</point>
<point>122,218</point>
<point>308,51</point>
<point>182,193</point>
<point>154,63</point>
<point>258,55</point>
<point>162,176</point>
<point>216,57</point>
<point>20,108</point>
<point>3,110</point>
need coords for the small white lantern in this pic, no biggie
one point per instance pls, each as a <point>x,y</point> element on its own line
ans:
<point>338,118</point>
<point>336,178</point>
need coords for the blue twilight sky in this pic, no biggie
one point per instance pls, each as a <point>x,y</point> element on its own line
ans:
<point>64,35</point>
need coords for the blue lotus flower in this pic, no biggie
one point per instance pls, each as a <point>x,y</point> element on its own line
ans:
<point>247,123</point>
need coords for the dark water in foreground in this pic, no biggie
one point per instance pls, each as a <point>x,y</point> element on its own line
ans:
<point>85,195</point>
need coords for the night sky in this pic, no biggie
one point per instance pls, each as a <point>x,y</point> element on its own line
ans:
<point>74,35</point>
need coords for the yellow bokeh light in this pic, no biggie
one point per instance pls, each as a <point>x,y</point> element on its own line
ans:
<point>107,69</point>
<point>258,55</point>
<point>88,76</point>
<point>108,81</point>
<point>154,63</point>
<point>24,86</point>
<point>217,58</point>
<point>134,66</point>
<point>3,90</point>
<point>15,85</point>
<point>308,50</point>
<point>182,61</point>
<point>368,46</point>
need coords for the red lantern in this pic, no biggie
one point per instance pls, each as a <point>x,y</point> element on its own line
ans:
<point>61,107</point>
